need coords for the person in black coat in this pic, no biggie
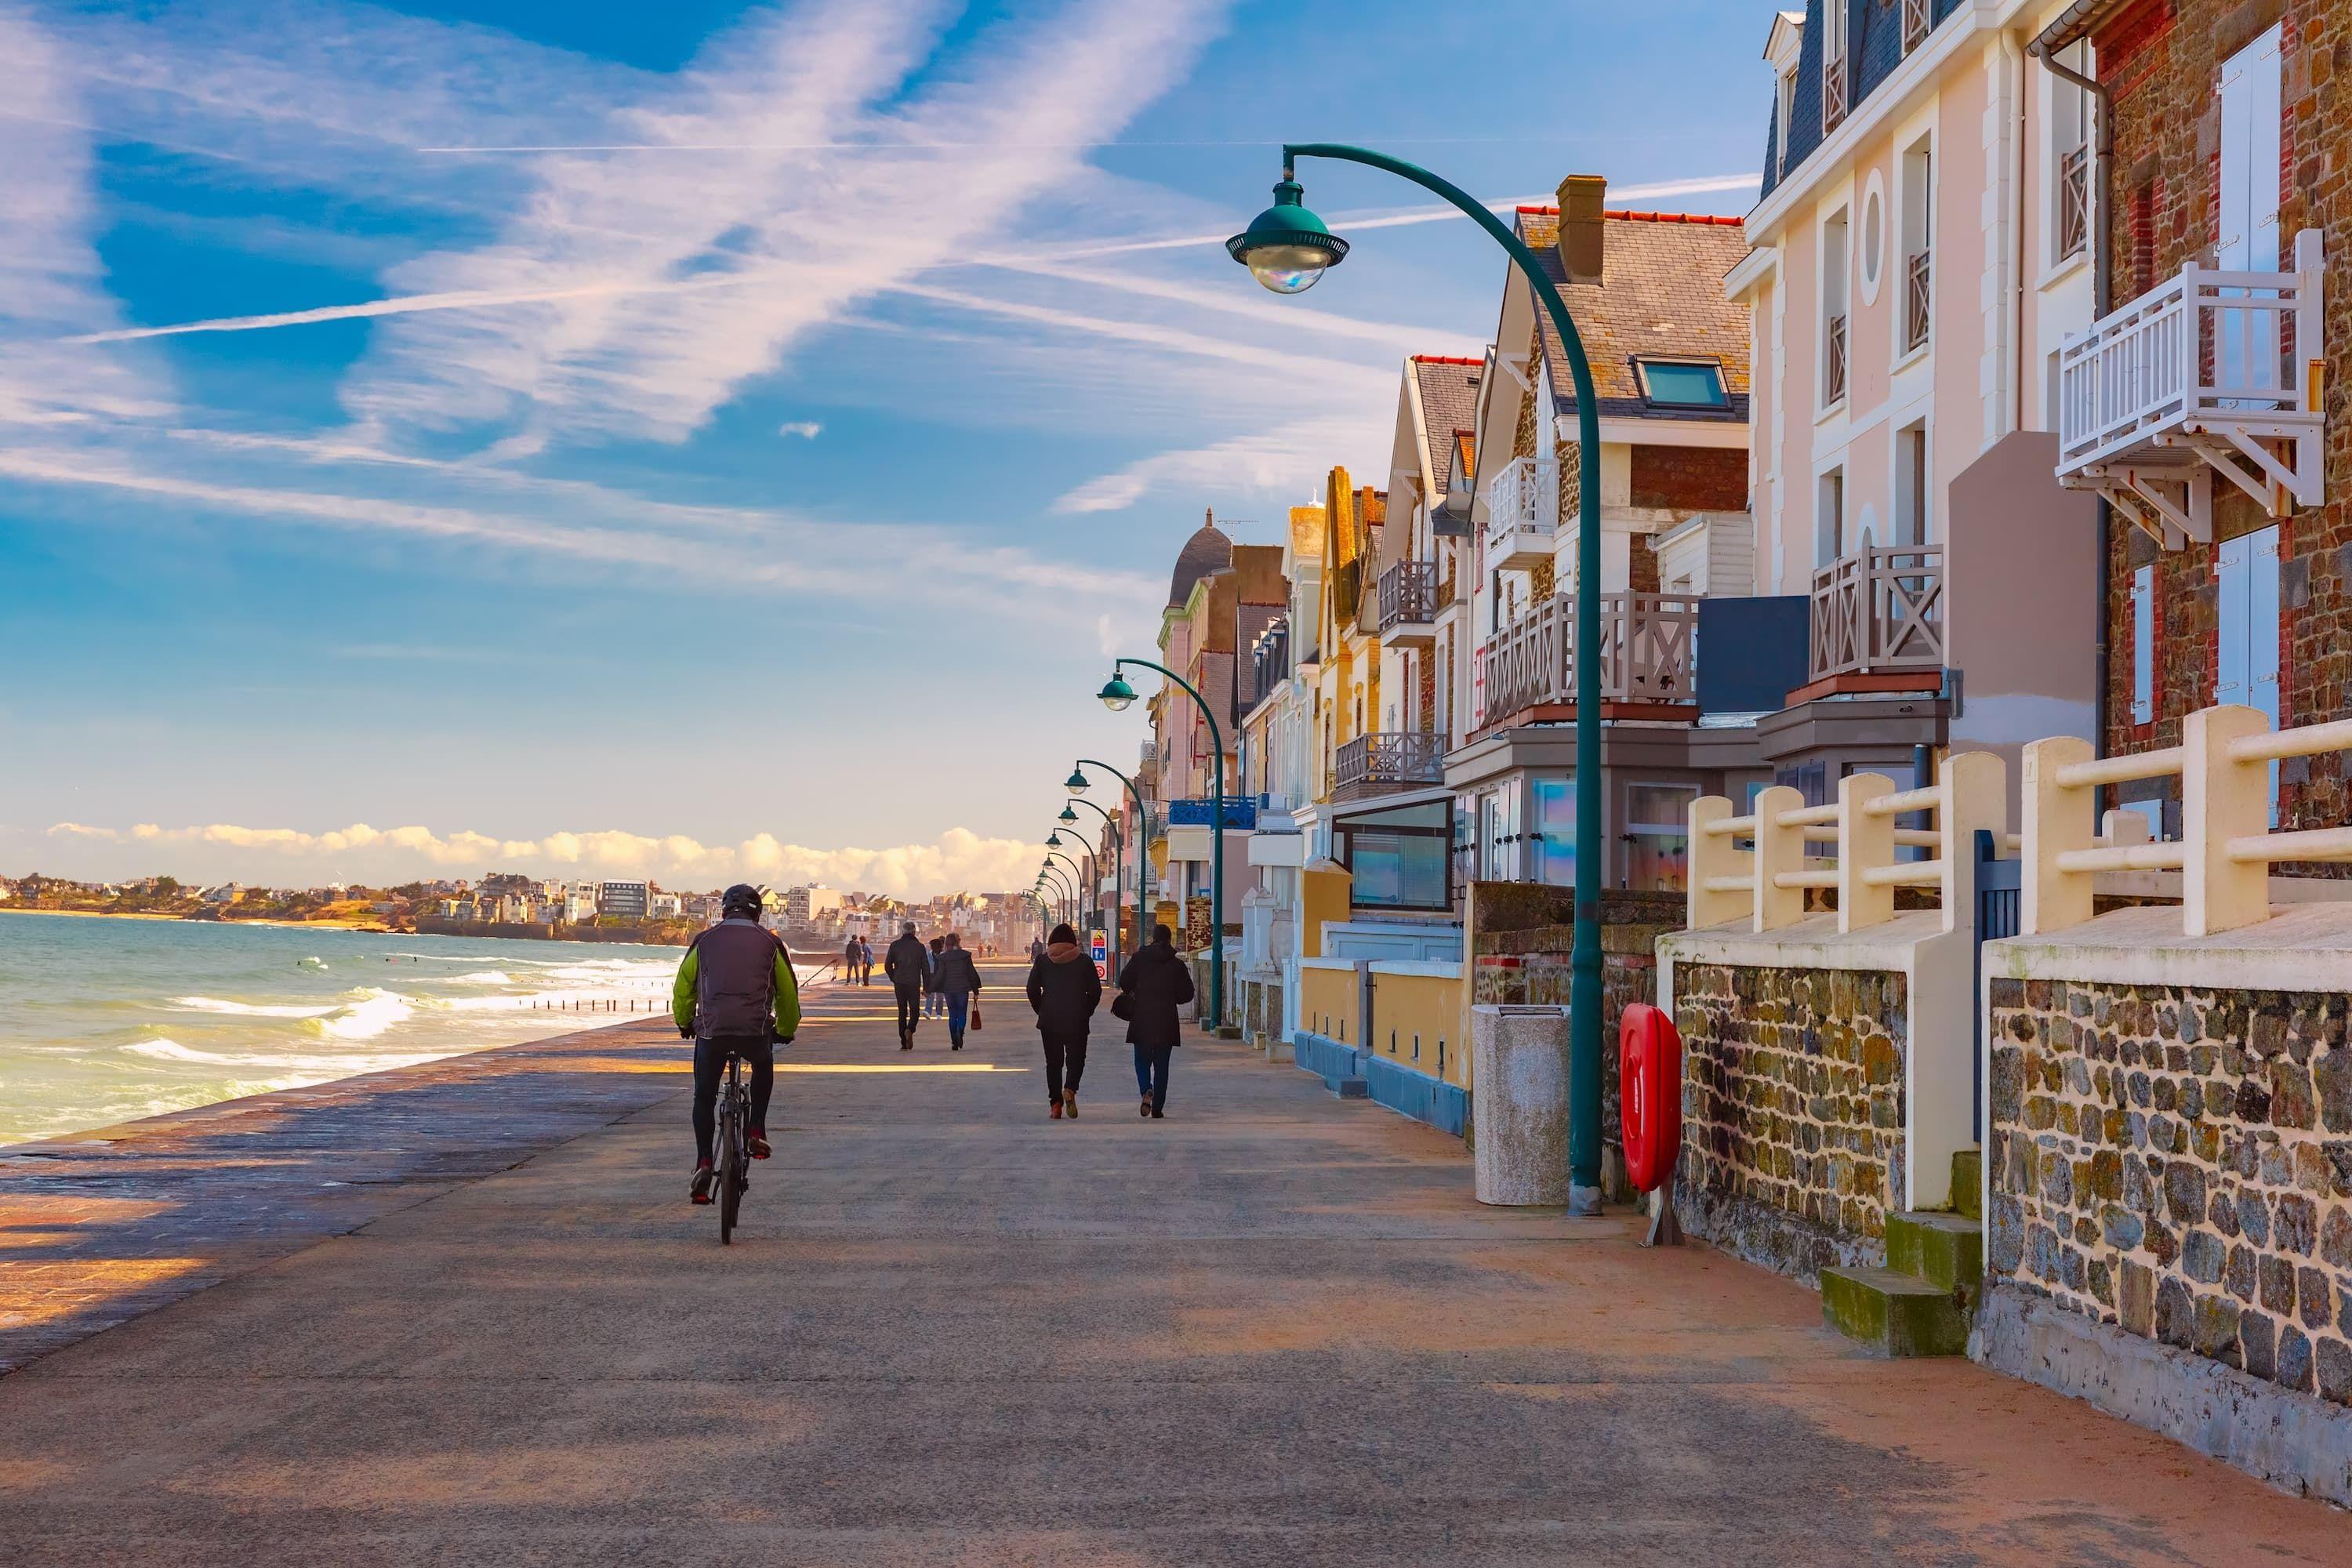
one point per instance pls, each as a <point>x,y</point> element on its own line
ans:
<point>908,965</point>
<point>1154,984</point>
<point>1064,991</point>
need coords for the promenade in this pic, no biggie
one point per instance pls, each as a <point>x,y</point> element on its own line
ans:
<point>1273,1329</point>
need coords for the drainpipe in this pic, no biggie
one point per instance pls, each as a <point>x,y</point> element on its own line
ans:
<point>2045,48</point>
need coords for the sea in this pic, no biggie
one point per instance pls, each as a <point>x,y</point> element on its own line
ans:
<point>104,1020</point>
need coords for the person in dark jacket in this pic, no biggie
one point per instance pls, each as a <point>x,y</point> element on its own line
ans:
<point>957,979</point>
<point>735,995</point>
<point>908,965</point>
<point>1156,983</point>
<point>849,962</point>
<point>1064,992</point>
<point>865,962</point>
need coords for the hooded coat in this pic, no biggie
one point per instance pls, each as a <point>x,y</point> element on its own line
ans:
<point>1064,991</point>
<point>1160,982</point>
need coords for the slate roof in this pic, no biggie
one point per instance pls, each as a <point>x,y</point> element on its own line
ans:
<point>1661,294</point>
<point>1449,403</point>
<point>1207,551</point>
<point>1873,53</point>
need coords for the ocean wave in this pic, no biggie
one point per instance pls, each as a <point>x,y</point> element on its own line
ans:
<point>250,1009</point>
<point>169,1050</point>
<point>302,1069</point>
<point>366,1019</point>
<point>483,978</point>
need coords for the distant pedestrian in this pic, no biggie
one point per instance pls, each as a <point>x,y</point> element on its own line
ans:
<point>1037,949</point>
<point>935,1001</point>
<point>957,978</point>
<point>1154,984</point>
<point>865,962</point>
<point>850,963</point>
<point>1064,992</point>
<point>908,966</point>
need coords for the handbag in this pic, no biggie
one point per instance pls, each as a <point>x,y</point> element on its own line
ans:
<point>1122,1008</point>
<point>975,1015</point>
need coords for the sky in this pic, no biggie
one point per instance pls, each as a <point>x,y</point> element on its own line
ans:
<point>704,440</point>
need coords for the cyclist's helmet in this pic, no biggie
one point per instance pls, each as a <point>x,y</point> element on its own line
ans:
<point>740,902</point>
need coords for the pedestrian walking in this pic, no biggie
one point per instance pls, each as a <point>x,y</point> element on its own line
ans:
<point>907,966</point>
<point>850,963</point>
<point>957,978</point>
<point>935,1001</point>
<point>1064,992</point>
<point>1036,949</point>
<point>865,962</point>
<point>1154,984</point>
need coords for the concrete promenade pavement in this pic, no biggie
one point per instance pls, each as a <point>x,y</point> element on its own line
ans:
<point>1275,1328</point>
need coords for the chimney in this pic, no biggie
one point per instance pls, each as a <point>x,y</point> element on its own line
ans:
<point>1581,199</point>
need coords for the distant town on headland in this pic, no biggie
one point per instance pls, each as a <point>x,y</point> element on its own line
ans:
<point>509,904</point>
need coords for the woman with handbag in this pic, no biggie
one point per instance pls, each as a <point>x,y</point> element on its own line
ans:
<point>956,981</point>
<point>1064,991</point>
<point>1154,984</point>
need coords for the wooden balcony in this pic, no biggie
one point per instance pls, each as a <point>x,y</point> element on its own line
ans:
<point>1918,301</point>
<point>1918,21</point>
<point>1386,762</point>
<point>1834,362</point>
<point>1834,92</point>
<point>2208,372</point>
<point>1878,621</point>
<point>1523,513</point>
<point>1526,671</point>
<point>1408,604</point>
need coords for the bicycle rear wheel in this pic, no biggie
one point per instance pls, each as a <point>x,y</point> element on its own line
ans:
<point>730,1172</point>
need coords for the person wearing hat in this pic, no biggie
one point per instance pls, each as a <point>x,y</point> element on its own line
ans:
<point>1064,992</point>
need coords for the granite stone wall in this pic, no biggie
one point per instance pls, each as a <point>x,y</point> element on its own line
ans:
<point>2178,1163</point>
<point>1792,1111</point>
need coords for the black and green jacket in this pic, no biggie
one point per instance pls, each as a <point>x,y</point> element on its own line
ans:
<point>735,981</point>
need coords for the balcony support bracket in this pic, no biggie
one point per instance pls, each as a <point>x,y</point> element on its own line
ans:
<point>2141,497</point>
<point>2274,486</point>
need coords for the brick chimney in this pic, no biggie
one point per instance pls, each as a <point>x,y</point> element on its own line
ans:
<point>1581,200</point>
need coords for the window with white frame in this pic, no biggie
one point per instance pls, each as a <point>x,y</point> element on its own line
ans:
<point>1835,78</point>
<point>1834,263</point>
<point>1786,107</point>
<point>1913,516</point>
<point>1828,517</point>
<point>2070,156</point>
<point>1918,243</point>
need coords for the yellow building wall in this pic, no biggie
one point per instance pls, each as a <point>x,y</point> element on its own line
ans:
<point>1326,1004</point>
<point>1425,1009</point>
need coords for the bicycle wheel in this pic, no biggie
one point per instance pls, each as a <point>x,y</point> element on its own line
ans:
<point>730,1172</point>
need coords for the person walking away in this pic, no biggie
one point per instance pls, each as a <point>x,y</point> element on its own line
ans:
<point>1064,992</point>
<point>865,962</point>
<point>1154,984</point>
<point>957,978</point>
<point>1037,949</point>
<point>907,965</point>
<point>934,1005</point>
<point>735,995</point>
<point>850,963</point>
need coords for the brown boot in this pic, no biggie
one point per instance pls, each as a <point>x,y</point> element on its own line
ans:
<point>1070,1104</point>
<point>1054,1109</point>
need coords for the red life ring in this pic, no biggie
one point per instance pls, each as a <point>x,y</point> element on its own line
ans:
<point>1649,1091</point>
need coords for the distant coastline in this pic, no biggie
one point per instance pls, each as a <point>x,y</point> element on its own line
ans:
<point>328,923</point>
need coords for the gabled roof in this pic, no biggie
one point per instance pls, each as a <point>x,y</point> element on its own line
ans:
<point>1207,551</point>
<point>1661,295</point>
<point>1449,403</point>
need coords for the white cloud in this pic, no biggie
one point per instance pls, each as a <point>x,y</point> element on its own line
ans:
<point>807,429</point>
<point>959,860</point>
<point>1287,461</point>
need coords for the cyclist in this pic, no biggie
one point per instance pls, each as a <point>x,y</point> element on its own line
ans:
<point>735,995</point>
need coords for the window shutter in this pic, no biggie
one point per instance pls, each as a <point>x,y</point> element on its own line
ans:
<point>2143,610</point>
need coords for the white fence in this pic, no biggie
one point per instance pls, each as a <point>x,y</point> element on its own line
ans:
<point>1767,883</point>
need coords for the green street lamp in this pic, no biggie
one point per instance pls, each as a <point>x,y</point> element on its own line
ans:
<point>1076,782</point>
<point>1287,247</point>
<point>1066,814</point>
<point>1142,841</point>
<point>1118,844</point>
<point>1116,695</point>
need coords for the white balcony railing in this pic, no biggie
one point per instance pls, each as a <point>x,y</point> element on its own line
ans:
<point>2208,371</point>
<point>1523,512</point>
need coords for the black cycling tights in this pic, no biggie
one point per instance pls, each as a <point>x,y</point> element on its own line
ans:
<point>709,1066</point>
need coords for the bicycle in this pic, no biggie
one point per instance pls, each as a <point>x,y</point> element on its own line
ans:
<point>734,1163</point>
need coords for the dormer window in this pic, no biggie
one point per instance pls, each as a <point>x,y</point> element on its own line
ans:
<point>1682,383</point>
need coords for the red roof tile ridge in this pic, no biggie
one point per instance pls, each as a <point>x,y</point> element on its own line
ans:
<point>1445,359</point>
<point>1647,216</point>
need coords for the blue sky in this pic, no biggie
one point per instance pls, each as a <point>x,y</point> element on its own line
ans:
<point>702,438</point>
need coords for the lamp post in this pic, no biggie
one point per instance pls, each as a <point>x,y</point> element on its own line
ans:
<point>1076,784</point>
<point>1118,847</point>
<point>1088,874</point>
<point>1287,248</point>
<point>1077,880</point>
<point>1116,695</point>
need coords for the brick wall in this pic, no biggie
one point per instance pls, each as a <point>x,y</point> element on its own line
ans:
<point>2163,62</point>
<point>2178,1164</point>
<point>1792,1111</point>
<point>1693,478</point>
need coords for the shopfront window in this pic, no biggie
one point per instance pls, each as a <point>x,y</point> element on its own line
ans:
<point>1657,837</point>
<point>1399,857</point>
<point>1551,835</point>
<point>1495,828</point>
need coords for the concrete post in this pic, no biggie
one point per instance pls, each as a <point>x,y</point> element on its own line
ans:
<point>1518,1106</point>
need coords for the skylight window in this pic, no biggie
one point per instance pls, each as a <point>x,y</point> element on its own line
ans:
<point>1682,383</point>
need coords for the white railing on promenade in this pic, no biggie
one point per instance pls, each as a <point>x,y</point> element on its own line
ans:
<point>1767,883</point>
<point>2224,852</point>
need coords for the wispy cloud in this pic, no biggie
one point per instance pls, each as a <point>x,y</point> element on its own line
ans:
<point>957,858</point>
<point>1278,461</point>
<point>806,429</point>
